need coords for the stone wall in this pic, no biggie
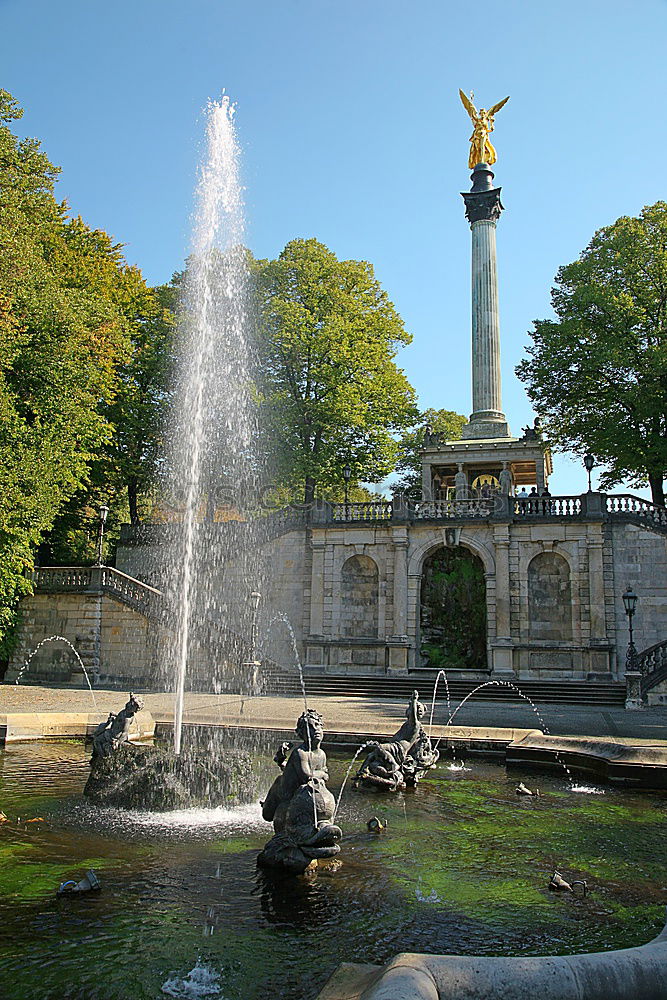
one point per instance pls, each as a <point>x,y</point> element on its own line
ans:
<point>111,639</point>
<point>351,593</point>
<point>639,560</point>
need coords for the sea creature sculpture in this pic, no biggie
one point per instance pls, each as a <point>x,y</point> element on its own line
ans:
<point>395,765</point>
<point>300,805</point>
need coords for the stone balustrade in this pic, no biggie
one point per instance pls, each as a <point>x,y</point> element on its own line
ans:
<point>497,507</point>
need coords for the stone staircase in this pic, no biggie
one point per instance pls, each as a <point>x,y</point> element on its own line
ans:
<point>400,688</point>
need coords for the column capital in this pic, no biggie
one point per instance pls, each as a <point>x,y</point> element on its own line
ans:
<point>482,202</point>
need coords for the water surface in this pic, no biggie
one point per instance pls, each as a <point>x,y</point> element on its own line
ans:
<point>183,911</point>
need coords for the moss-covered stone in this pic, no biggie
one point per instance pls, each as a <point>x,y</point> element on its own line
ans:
<point>155,779</point>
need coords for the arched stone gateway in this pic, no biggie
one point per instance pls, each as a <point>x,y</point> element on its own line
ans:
<point>453,609</point>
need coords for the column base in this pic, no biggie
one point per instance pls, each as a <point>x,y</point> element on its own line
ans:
<point>482,429</point>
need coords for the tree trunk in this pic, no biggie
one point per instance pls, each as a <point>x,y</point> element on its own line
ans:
<point>656,480</point>
<point>309,490</point>
<point>132,500</point>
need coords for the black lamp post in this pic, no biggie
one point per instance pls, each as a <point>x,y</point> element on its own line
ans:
<point>589,462</point>
<point>347,475</point>
<point>104,513</point>
<point>630,603</point>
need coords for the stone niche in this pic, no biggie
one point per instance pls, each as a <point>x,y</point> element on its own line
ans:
<point>359,597</point>
<point>549,598</point>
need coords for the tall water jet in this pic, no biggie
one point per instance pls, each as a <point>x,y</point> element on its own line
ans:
<point>212,433</point>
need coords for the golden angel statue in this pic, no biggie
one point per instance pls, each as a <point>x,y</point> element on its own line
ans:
<point>481,150</point>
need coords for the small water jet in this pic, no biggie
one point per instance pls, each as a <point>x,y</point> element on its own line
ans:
<point>281,618</point>
<point>517,690</point>
<point>443,674</point>
<point>58,638</point>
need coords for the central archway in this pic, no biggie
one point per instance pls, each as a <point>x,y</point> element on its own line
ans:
<point>453,609</point>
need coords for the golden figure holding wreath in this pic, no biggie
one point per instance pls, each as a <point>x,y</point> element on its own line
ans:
<point>481,150</point>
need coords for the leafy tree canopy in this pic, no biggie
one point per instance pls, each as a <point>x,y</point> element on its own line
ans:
<point>597,374</point>
<point>329,385</point>
<point>68,307</point>
<point>445,422</point>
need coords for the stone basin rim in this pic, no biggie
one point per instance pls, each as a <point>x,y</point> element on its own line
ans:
<point>625,974</point>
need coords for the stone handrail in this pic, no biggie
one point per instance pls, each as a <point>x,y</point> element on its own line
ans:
<point>652,663</point>
<point>62,577</point>
<point>372,510</point>
<point>560,506</point>
<point>601,506</point>
<point>631,507</point>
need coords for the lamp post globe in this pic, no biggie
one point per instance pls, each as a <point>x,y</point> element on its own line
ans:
<point>589,463</point>
<point>102,520</point>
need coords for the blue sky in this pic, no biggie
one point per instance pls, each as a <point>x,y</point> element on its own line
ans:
<point>353,132</point>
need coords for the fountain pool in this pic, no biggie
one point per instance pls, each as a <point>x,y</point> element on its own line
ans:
<point>463,867</point>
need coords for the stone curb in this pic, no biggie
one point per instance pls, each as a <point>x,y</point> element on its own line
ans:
<point>19,727</point>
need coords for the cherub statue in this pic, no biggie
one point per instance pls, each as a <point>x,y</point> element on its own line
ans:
<point>300,804</point>
<point>116,730</point>
<point>481,150</point>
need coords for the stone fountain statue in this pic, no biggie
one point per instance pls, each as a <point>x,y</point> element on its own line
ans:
<point>132,775</point>
<point>402,762</point>
<point>111,734</point>
<point>300,805</point>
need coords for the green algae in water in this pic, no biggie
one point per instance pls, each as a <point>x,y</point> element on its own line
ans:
<point>488,855</point>
<point>462,868</point>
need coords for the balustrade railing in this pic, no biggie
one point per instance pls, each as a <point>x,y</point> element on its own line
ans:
<point>373,510</point>
<point>652,663</point>
<point>568,506</point>
<point>438,510</point>
<point>627,505</point>
<point>62,577</point>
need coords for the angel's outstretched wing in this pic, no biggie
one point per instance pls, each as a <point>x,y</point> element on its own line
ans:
<point>497,107</point>
<point>469,106</point>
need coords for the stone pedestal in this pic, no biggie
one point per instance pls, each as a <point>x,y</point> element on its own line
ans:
<point>633,691</point>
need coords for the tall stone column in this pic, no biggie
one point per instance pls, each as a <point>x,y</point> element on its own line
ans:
<point>483,208</point>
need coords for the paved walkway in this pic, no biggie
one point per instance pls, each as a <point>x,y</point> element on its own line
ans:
<point>351,715</point>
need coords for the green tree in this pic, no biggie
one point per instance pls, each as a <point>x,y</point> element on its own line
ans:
<point>67,304</point>
<point>597,374</point>
<point>448,423</point>
<point>142,399</point>
<point>329,386</point>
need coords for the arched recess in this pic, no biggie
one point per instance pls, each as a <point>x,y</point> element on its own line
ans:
<point>549,597</point>
<point>433,541</point>
<point>359,597</point>
<point>453,620</point>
